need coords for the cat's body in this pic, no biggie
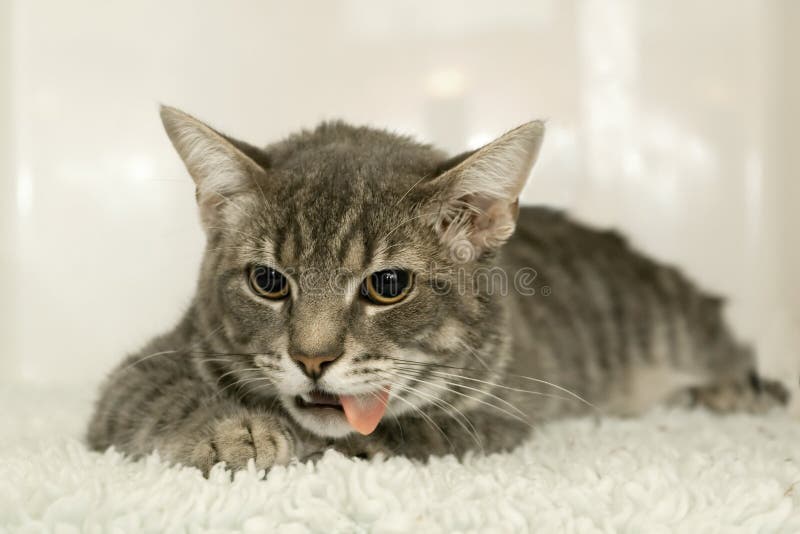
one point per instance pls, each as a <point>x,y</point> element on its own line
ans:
<point>470,344</point>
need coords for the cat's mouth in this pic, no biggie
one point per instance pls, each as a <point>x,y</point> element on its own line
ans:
<point>363,412</point>
<point>319,400</point>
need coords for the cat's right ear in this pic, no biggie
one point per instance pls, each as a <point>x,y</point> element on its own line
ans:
<point>219,169</point>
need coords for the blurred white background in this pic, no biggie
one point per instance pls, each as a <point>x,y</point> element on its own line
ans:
<point>672,120</point>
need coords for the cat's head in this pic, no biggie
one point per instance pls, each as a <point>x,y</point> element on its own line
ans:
<point>340,267</point>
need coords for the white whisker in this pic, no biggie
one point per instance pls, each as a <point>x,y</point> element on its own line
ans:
<point>472,431</point>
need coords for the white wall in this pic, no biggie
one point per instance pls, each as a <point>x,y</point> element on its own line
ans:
<point>669,119</point>
<point>780,335</point>
<point>8,320</point>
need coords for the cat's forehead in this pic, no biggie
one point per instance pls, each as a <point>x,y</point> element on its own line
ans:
<point>346,227</point>
<point>342,197</point>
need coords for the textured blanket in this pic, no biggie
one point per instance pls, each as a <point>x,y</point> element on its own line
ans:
<point>668,471</point>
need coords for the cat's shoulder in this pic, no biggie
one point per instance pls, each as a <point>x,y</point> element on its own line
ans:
<point>544,221</point>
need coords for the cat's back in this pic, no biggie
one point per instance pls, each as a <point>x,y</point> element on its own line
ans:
<point>589,302</point>
<point>579,266</point>
<point>550,241</point>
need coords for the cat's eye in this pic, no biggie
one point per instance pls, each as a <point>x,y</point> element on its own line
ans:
<point>268,283</point>
<point>387,287</point>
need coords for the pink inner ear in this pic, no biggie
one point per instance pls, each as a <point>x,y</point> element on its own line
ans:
<point>495,221</point>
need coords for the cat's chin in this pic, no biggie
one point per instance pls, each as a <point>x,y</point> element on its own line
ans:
<point>327,421</point>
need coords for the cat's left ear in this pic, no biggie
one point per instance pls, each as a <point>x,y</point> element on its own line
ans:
<point>218,165</point>
<point>477,200</point>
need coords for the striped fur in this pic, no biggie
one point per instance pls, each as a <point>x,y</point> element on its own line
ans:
<point>559,319</point>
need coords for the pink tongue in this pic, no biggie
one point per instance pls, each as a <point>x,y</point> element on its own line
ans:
<point>364,412</point>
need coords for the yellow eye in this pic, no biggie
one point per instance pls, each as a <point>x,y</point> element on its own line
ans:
<point>387,287</point>
<point>268,283</point>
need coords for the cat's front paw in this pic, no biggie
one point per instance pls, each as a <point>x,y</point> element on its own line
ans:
<point>237,439</point>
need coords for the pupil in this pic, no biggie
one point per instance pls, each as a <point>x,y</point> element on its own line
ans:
<point>270,280</point>
<point>390,283</point>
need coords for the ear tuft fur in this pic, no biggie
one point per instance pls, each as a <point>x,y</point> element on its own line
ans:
<point>479,197</point>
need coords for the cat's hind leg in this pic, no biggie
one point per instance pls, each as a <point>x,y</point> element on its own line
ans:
<point>726,369</point>
<point>748,393</point>
<point>751,394</point>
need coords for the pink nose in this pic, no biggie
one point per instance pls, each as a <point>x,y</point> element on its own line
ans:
<point>313,366</point>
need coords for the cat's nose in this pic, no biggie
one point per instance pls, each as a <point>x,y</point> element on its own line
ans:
<point>314,366</point>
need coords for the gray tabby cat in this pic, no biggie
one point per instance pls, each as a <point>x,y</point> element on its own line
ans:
<point>364,292</point>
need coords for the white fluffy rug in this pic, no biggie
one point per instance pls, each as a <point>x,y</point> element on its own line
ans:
<point>669,471</point>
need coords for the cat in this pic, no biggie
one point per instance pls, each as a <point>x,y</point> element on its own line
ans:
<point>364,292</point>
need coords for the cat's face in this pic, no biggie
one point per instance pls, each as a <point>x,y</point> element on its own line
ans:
<point>337,272</point>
